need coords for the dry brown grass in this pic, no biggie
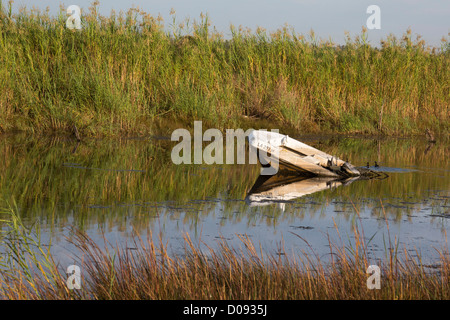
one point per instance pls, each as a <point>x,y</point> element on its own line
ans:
<point>148,271</point>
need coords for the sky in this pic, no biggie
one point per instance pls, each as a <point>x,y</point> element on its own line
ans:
<point>329,19</point>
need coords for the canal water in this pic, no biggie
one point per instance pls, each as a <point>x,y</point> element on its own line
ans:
<point>115,188</point>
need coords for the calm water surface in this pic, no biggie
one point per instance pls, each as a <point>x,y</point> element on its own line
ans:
<point>116,187</point>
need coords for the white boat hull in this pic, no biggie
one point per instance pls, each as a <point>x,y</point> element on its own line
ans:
<point>282,150</point>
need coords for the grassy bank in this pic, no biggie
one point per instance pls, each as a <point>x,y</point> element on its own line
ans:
<point>149,271</point>
<point>122,73</point>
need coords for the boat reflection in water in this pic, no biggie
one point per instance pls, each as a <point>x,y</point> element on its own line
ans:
<point>282,187</point>
<point>301,170</point>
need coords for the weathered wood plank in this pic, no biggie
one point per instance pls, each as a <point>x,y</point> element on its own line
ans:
<point>306,163</point>
<point>297,154</point>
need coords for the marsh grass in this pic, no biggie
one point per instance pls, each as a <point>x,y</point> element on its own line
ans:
<point>122,72</point>
<point>27,268</point>
<point>143,270</point>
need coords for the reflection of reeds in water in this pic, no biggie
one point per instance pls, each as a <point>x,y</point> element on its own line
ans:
<point>46,175</point>
<point>418,188</point>
<point>97,182</point>
<point>150,271</point>
<point>121,72</point>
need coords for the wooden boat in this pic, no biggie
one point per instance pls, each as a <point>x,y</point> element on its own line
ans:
<point>287,153</point>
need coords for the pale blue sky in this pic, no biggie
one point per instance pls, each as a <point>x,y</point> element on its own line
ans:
<point>328,18</point>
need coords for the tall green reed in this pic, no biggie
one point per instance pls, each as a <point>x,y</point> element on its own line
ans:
<point>124,70</point>
<point>27,268</point>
